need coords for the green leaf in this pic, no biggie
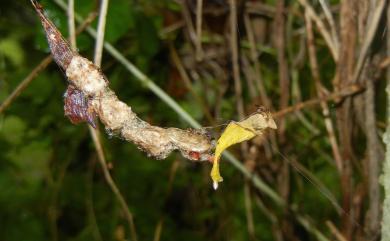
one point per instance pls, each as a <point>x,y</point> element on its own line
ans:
<point>119,19</point>
<point>11,49</point>
<point>12,129</point>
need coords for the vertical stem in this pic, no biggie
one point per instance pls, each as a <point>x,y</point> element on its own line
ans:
<point>256,65</point>
<point>91,217</point>
<point>284,81</point>
<point>98,146</point>
<point>71,24</point>
<point>95,133</point>
<point>386,140</point>
<point>100,32</point>
<point>317,79</point>
<point>373,159</point>
<point>234,49</point>
<point>111,182</point>
<point>345,122</point>
<point>249,211</point>
<point>199,52</point>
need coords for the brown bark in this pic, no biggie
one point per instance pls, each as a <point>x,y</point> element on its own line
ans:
<point>344,120</point>
<point>280,42</point>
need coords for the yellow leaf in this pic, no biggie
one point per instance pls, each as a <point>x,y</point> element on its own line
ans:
<point>237,132</point>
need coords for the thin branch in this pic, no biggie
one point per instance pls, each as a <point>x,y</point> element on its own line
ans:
<point>234,49</point>
<point>91,217</point>
<point>256,65</point>
<point>335,231</point>
<point>25,82</point>
<point>347,91</point>
<point>41,66</point>
<point>199,51</point>
<point>283,72</point>
<point>321,27</point>
<point>332,24</point>
<point>100,33</point>
<point>324,106</point>
<point>188,21</point>
<point>71,24</point>
<point>172,175</point>
<point>369,37</point>
<point>249,211</point>
<point>95,133</point>
<point>385,231</point>
<point>187,81</point>
<point>111,183</point>
<point>374,158</point>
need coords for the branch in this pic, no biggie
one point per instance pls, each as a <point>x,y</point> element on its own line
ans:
<point>347,91</point>
<point>92,98</point>
<point>95,132</point>
<point>41,66</point>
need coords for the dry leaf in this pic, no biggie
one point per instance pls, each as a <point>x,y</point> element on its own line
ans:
<point>237,132</point>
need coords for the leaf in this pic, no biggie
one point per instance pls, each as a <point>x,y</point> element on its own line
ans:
<point>13,129</point>
<point>237,132</point>
<point>11,49</point>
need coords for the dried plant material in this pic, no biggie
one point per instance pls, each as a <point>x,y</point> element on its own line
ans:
<point>88,96</point>
<point>59,47</point>
<point>237,132</point>
<point>77,108</point>
<point>86,76</point>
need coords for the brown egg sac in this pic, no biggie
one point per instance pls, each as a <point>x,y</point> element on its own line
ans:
<point>76,107</point>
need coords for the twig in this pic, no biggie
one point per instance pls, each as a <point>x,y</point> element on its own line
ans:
<point>324,106</point>
<point>41,66</point>
<point>89,201</point>
<point>249,211</point>
<point>71,24</point>
<point>283,72</point>
<point>160,223</point>
<point>309,226</point>
<point>25,82</point>
<point>260,8</point>
<point>188,21</point>
<point>348,91</point>
<point>179,65</point>
<point>100,32</point>
<point>369,37</point>
<point>385,231</point>
<point>199,51</point>
<point>145,80</point>
<point>374,157</point>
<point>335,231</point>
<point>240,108</point>
<point>95,133</point>
<point>236,68</point>
<point>321,27</point>
<point>73,44</point>
<point>88,80</point>
<point>255,61</point>
<point>111,183</point>
<point>332,24</point>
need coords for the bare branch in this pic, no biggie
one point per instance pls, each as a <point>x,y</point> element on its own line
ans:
<point>117,117</point>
